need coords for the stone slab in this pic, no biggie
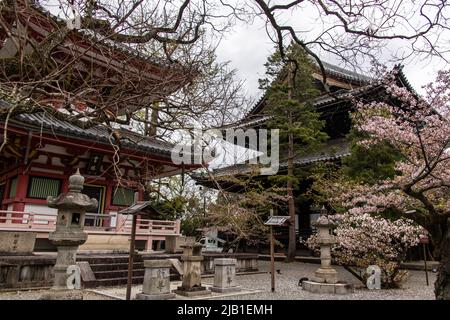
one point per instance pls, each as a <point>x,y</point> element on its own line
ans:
<point>157,264</point>
<point>164,296</point>
<point>328,288</point>
<point>86,273</point>
<point>192,293</point>
<point>177,265</point>
<point>225,262</point>
<point>192,258</point>
<point>225,290</point>
<point>16,242</point>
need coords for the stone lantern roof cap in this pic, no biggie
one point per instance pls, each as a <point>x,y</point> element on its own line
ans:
<point>324,221</point>
<point>73,199</point>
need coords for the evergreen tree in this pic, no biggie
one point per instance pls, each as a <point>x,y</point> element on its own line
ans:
<point>290,91</point>
<point>369,165</point>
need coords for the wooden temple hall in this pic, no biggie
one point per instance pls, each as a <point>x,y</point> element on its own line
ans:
<point>335,111</point>
<point>42,148</point>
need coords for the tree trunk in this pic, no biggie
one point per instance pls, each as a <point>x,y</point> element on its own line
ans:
<point>442,284</point>
<point>292,248</point>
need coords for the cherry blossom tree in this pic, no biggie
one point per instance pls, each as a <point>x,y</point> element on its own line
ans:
<point>363,240</point>
<point>418,129</point>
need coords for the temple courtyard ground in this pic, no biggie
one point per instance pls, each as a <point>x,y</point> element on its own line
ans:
<point>257,286</point>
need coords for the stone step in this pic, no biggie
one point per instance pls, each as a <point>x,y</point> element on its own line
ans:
<point>107,259</point>
<point>112,274</point>
<point>118,281</point>
<point>115,266</point>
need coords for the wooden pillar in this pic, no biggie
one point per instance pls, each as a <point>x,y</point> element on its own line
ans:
<point>108,195</point>
<point>131,257</point>
<point>21,192</point>
<point>177,226</point>
<point>149,244</point>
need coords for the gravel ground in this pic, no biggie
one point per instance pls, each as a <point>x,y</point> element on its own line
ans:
<point>37,294</point>
<point>286,287</point>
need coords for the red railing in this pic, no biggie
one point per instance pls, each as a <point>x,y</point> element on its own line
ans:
<point>29,221</point>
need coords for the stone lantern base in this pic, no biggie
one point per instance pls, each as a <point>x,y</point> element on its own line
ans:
<point>160,296</point>
<point>325,275</point>
<point>330,288</point>
<point>192,292</point>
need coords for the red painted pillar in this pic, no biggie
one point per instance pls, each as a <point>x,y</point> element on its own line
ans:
<point>108,196</point>
<point>65,181</point>
<point>140,194</point>
<point>21,192</point>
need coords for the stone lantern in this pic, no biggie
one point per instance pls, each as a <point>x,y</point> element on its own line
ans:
<point>325,278</point>
<point>325,239</point>
<point>72,207</point>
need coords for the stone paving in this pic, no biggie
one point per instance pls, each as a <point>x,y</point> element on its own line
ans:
<point>257,286</point>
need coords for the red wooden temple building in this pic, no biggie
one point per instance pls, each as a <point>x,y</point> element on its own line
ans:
<point>41,149</point>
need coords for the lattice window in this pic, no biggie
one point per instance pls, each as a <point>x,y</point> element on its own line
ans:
<point>13,187</point>
<point>41,187</point>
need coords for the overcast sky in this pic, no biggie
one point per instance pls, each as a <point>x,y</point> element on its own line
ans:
<point>248,47</point>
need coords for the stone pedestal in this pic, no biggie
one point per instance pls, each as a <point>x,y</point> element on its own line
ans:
<point>192,261</point>
<point>325,275</point>
<point>225,275</point>
<point>328,288</point>
<point>66,257</point>
<point>156,281</point>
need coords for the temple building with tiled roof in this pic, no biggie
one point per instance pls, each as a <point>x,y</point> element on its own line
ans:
<point>334,107</point>
<point>43,146</point>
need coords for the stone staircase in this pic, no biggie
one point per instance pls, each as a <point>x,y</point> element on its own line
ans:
<point>112,270</point>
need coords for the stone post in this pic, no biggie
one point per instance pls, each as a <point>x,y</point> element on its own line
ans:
<point>225,275</point>
<point>156,281</point>
<point>192,262</point>
<point>68,235</point>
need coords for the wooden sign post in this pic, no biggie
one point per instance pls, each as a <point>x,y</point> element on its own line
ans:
<point>274,221</point>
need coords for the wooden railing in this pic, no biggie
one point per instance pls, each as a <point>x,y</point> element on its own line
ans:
<point>29,221</point>
<point>144,226</point>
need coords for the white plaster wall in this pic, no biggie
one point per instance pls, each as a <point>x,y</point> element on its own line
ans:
<point>40,208</point>
<point>113,215</point>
